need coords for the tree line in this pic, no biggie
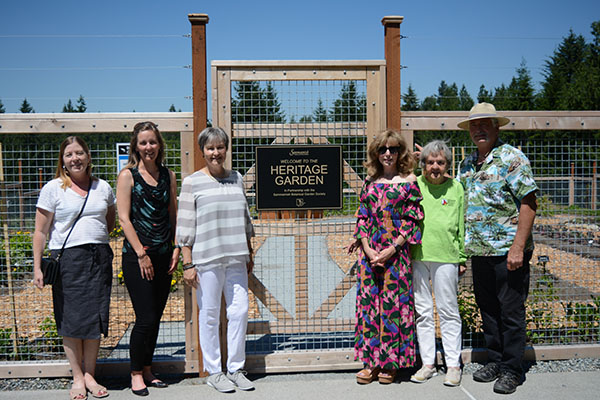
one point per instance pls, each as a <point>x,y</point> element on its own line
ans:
<point>571,82</point>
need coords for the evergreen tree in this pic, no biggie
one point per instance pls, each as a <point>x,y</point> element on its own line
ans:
<point>2,110</point>
<point>68,108</point>
<point>484,96</point>
<point>252,104</point>
<point>81,106</point>
<point>26,107</point>
<point>560,70</point>
<point>350,106</point>
<point>320,113</point>
<point>411,102</point>
<point>520,92</point>
<point>447,97</point>
<point>272,106</point>
<point>465,101</point>
<point>429,103</point>
<point>584,94</point>
<point>500,98</point>
<point>172,108</point>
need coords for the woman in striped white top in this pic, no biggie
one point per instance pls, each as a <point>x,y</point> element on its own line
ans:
<point>214,229</point>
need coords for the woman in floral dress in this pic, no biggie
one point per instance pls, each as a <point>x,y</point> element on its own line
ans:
<point>386,225</point>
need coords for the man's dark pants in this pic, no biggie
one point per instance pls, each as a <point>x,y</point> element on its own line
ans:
<point>500,295</point>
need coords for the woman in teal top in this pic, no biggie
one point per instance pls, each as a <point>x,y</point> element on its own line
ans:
<point>147,204</point>
<point>440,258</point>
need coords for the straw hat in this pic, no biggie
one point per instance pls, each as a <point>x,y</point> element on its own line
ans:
<point>480,111</point>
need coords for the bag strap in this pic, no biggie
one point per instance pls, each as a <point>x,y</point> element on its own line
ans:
<point>76,219</point>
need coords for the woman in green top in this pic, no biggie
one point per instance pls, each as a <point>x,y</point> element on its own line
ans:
<point>439,258</point>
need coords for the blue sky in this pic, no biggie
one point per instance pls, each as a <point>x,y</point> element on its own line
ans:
<point>51,51</point>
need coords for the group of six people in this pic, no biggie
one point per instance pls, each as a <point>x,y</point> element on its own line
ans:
<point>413,234</point>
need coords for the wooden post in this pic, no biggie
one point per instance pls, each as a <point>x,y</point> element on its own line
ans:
<point>572,185</point>
<point>199,90</point>
<point>21,212</point>
<point>392,61</point>
<point>11,292</point>
<point>594,185</point>
<point>200,102</point>
<point>301,273</point>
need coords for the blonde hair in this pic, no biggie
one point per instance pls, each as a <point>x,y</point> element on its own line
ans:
<point>61,170</point>
<point>405,163</point>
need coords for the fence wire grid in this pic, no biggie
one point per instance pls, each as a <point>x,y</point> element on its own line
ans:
<point>28,330</point>
<point>303,290</point>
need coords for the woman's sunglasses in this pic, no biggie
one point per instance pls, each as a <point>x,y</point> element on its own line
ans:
<point>384,149</point>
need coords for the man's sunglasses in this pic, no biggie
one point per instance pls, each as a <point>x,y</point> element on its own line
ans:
<point>384,149</point>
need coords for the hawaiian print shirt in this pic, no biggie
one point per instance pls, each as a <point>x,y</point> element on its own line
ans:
<point>493,198</point>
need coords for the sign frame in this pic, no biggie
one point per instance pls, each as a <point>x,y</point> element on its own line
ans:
<point>325,167</point>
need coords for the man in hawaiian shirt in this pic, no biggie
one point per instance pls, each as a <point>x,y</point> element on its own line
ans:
<point>500,196</point>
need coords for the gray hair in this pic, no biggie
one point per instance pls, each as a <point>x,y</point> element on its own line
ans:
<point>435,147</point>
<point>212,134</point>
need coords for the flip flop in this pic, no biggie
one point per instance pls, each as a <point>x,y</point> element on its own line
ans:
<point>98,391</point>
<point>78,394</point>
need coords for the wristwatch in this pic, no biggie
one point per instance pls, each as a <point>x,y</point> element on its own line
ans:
<point>397,247</point>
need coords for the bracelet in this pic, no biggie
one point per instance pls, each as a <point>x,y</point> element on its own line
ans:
<point>187,266</point>
<point>143,255</point>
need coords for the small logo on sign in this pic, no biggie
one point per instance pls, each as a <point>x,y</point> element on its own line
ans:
<point>300,202</point>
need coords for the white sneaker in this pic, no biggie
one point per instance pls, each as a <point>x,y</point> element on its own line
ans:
<point>239,379</point>
<point>423,374</point>
<point>453,376</point>
<point>220,382</point>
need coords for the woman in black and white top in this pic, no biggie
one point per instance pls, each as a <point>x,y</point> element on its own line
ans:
<point>81,295</point>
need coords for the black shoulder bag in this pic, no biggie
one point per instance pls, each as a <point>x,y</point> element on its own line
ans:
<point>51,266</point>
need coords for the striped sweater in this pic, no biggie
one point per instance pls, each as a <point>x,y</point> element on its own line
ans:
<point>214,219</point>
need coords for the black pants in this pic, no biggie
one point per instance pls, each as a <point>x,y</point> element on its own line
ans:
<point>149,299</point>
<point>501,295</point>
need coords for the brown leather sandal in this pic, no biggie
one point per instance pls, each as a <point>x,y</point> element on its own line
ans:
<point>367,375</point>
<point>387,376</point>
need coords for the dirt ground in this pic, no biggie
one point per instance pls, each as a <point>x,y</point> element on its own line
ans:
<point>27,307</point>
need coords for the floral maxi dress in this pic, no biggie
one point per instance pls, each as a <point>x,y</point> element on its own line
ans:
<point>384,331</point>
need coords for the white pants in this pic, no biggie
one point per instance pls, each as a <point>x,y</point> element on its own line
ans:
<point>232,281</point>
<point>444,278</point>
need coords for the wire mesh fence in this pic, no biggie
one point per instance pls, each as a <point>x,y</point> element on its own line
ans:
<point>28,330</point>
<point>563,306</point>
<point>303,289</point>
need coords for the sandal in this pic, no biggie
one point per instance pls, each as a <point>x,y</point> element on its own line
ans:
<point>367,375</point>
<point>78,394</point>
<point>98,391</point>
<point>387,376</point>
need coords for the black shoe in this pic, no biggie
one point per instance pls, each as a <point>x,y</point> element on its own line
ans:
<point>156,383</point>
<point>487,373</point>
<point>507,383</point>
<point>141,392</point>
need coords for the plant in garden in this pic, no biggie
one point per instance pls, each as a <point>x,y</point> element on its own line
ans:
<point>540,311</point>
<point>52,341</point>
<point>6,344</point>
<point>117,232</point>
<point>585,319</point>
<point>177,277</point>
<point>21,256</point>
<point>469,312</point>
